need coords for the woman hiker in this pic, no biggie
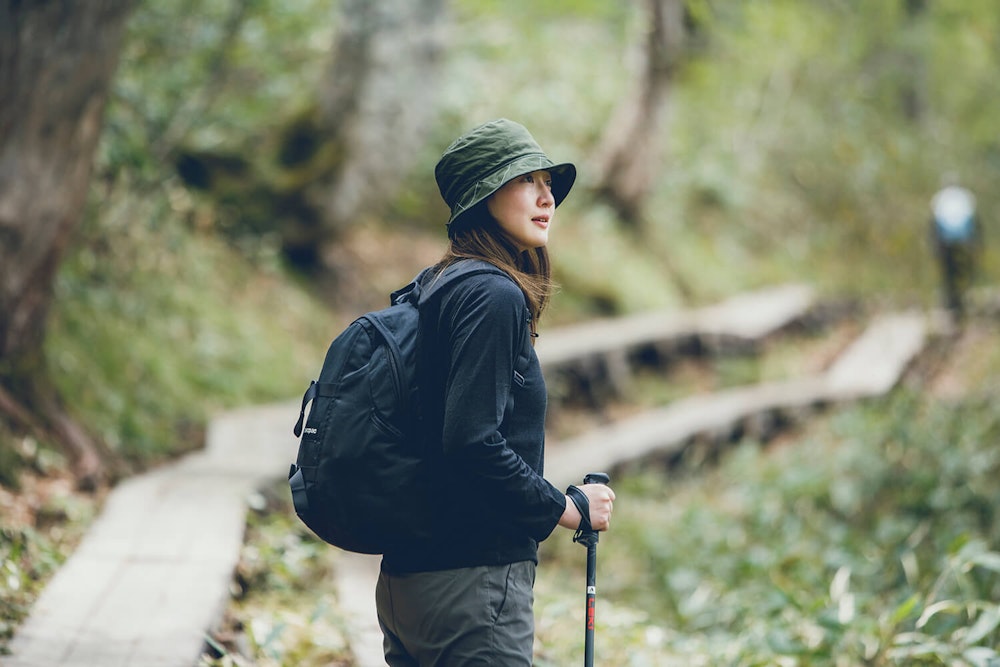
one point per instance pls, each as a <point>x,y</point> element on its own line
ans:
<point>463,596</point>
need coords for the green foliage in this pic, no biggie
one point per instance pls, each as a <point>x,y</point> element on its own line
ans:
<point>790,143</point>
<point>798,133</point>
<point>793,145</point>
<point>210,73</point>
<point>158,326</point>
<point>871,538</point>
<point>200,91</point>
<point>29,556</point>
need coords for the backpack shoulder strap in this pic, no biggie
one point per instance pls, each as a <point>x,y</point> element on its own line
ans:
<point>454,273</point>
<point>411,291</point>
<point>423,287</point>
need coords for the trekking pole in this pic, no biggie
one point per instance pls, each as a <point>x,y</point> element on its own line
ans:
<point>588,537</point>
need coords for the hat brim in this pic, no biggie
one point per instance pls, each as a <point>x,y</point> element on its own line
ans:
<point>563,177</point>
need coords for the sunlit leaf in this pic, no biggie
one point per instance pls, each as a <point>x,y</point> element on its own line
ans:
<point>840,583</point>
<point>980,656</point>
<point>944,606</point>
<point>986,623</point>
<point>989,560</point>
<point>905,609</point>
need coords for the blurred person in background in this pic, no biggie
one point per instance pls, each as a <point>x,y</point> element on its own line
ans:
<point>957,240</point>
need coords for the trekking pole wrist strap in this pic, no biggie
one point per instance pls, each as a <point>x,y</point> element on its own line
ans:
<point>582,503</point>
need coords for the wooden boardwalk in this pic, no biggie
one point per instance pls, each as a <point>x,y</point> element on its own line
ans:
<point>742,319</point>
<point>594,359</point>
<point>152,575</point>
<point>871,366</point>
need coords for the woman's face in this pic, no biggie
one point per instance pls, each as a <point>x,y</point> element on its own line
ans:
<point>525,208</point>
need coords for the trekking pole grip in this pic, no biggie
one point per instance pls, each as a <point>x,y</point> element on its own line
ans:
<point>585,534</point>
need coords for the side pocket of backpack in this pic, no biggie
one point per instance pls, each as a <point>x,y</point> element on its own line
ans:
<point>303,473</point>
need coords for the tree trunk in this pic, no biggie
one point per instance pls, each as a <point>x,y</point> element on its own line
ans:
<point>376,105</point>
<point>56,62</point>
<point>913,82</point>
<point>629,154</point>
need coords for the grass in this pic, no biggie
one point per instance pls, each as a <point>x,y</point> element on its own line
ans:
<point>159,326</point>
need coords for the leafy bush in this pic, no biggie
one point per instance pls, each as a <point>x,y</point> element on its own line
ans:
<point>158,326</point>
<point>871,538</point>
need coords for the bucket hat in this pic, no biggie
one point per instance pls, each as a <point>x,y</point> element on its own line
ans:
<point>480,162</point>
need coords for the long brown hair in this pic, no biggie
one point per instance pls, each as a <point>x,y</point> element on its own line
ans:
<point>478,236</point>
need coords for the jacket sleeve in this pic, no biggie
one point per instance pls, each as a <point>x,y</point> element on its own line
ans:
<point>485,318</point>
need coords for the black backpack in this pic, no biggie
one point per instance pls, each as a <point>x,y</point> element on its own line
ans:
<point>358,481</point>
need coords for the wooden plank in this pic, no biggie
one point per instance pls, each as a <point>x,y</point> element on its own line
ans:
<point>750,316</point>
<point>665,431</point>
<point>871,366</point>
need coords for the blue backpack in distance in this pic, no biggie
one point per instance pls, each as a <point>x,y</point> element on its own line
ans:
<point>358,480</point>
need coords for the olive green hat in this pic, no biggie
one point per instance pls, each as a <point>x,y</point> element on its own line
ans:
<point>478,163</point>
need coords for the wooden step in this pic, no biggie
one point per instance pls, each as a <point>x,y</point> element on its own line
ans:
<point>871,366</point>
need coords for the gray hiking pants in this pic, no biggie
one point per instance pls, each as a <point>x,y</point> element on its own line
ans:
<point>458,618</point>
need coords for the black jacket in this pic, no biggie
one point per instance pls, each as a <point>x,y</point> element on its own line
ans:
<point>485,426</point>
